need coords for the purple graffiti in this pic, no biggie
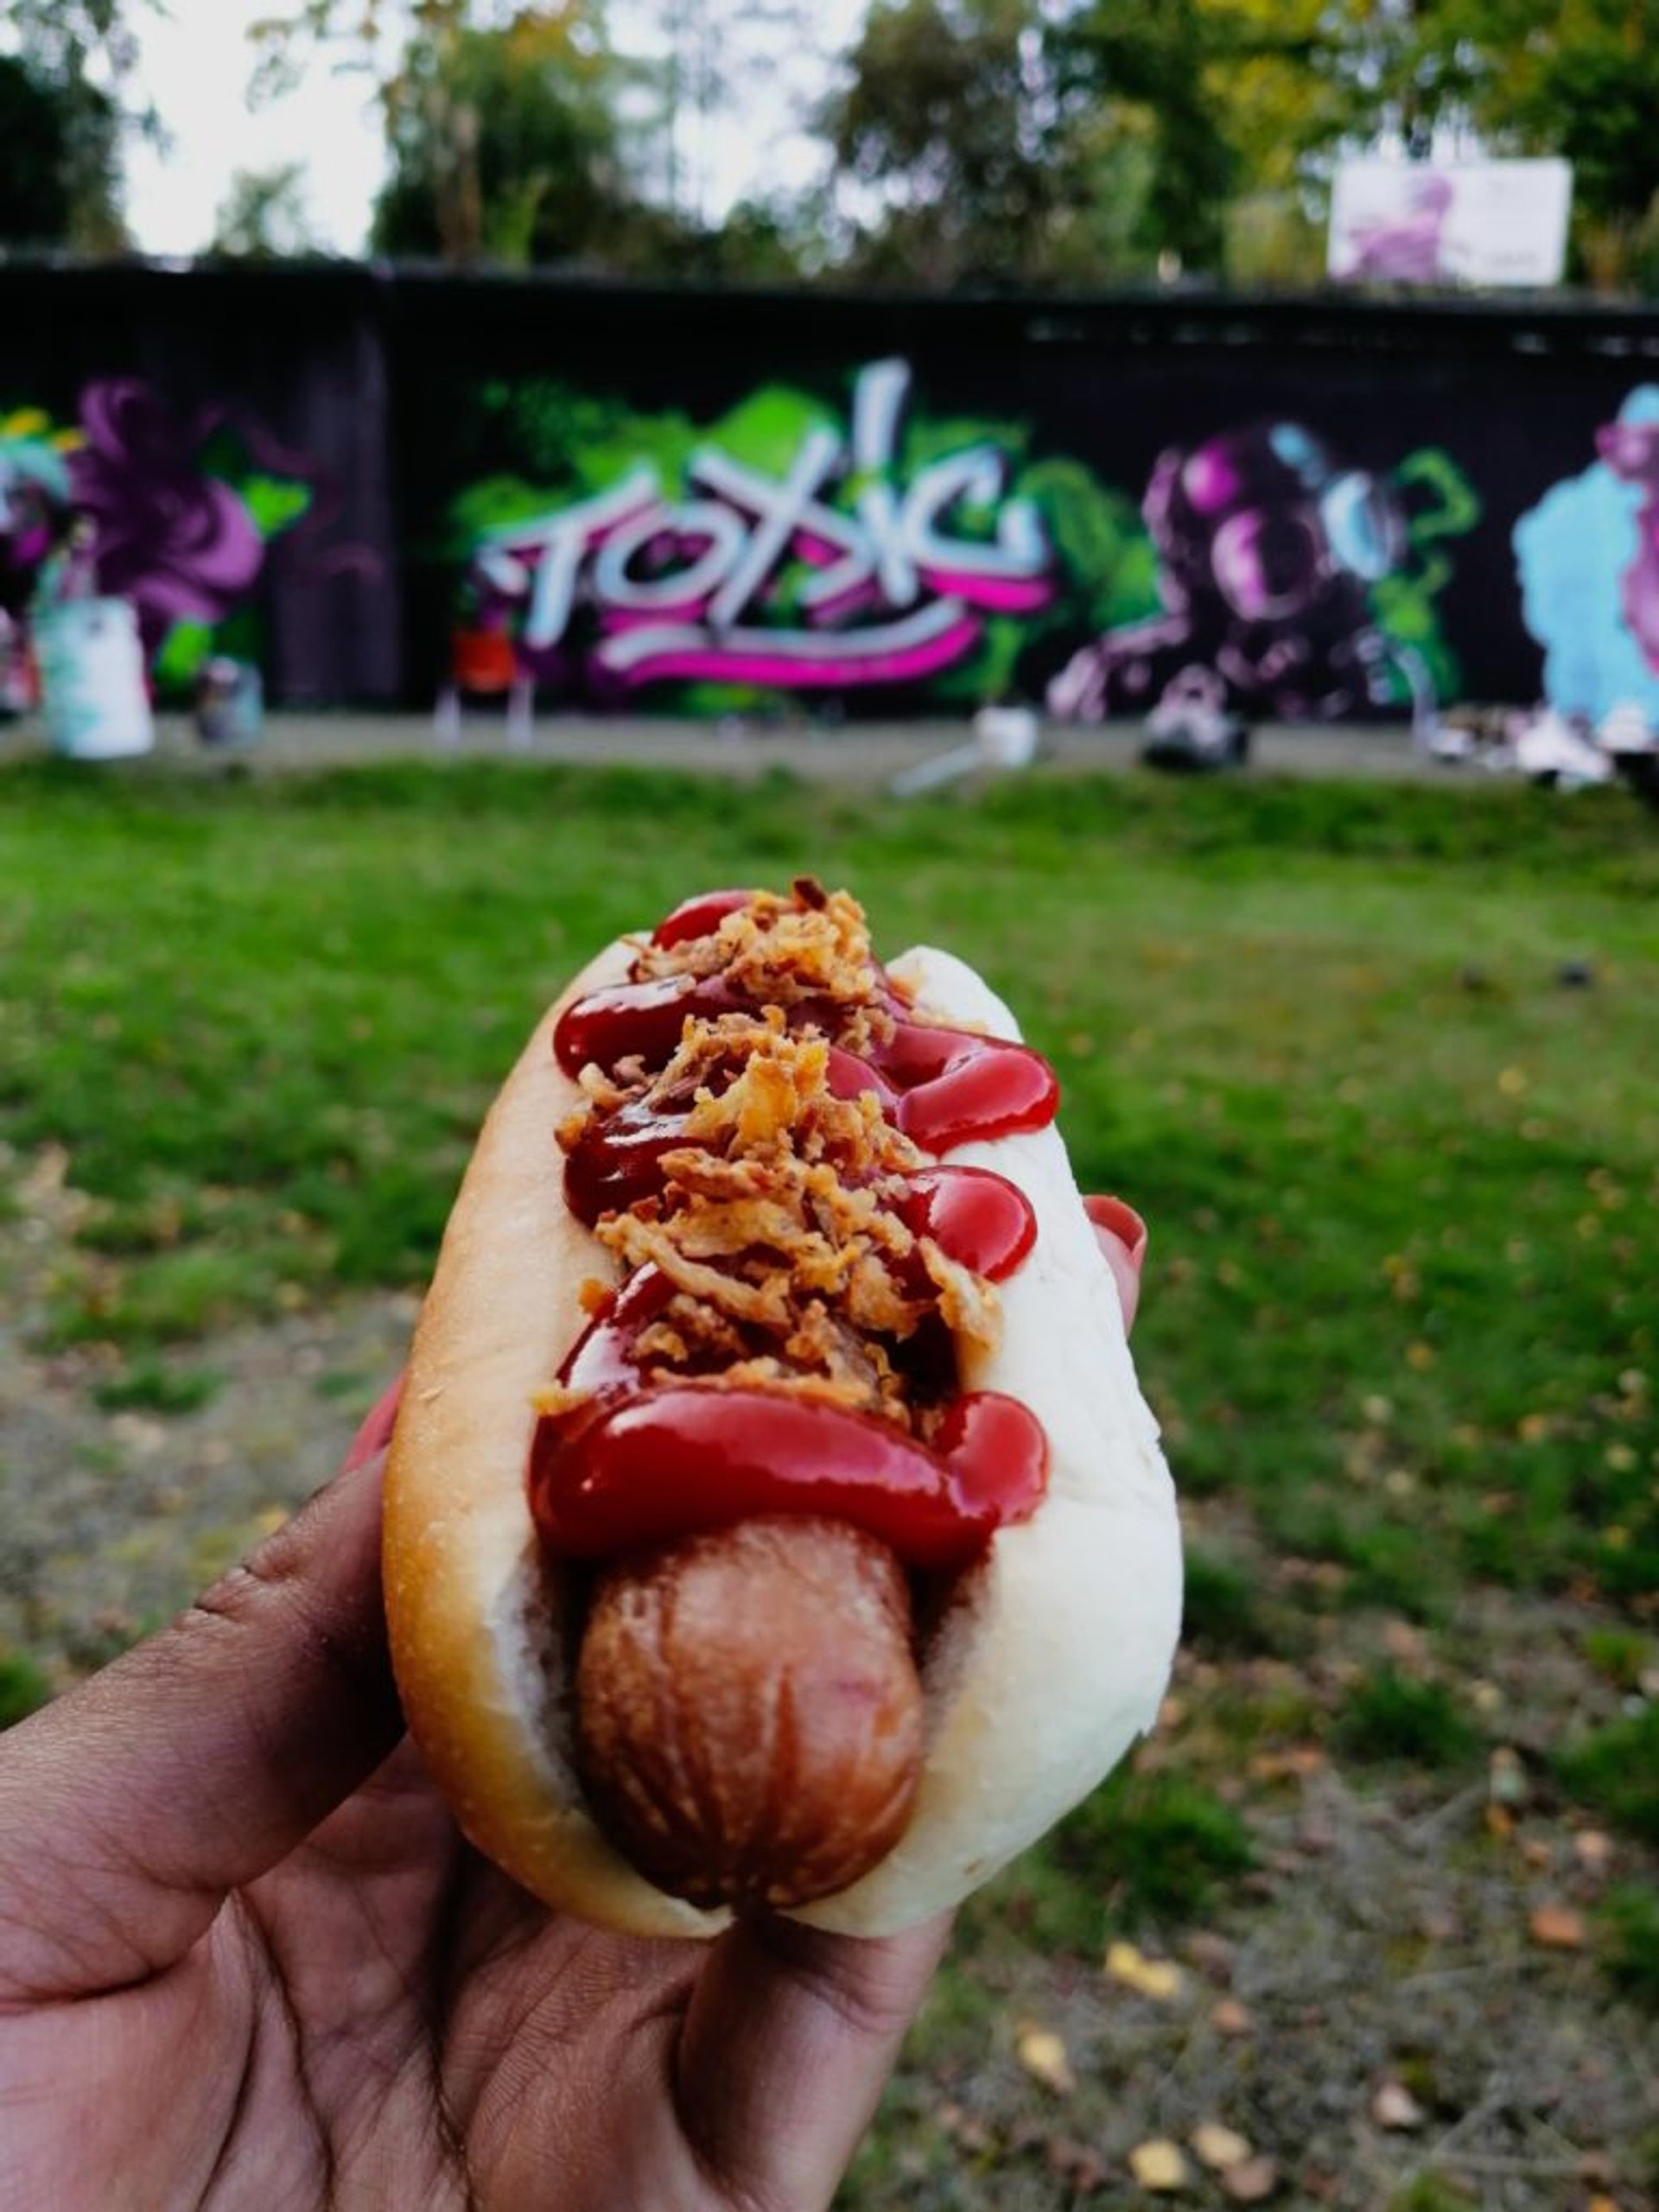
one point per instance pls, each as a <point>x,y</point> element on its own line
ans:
<point>834,575</point>
<point>178,544</point>
<point>1630,449</point>
<point>1266,550</point>
<point>1406,249</point>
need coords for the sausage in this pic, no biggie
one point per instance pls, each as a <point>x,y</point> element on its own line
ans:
<point>749,1714</point>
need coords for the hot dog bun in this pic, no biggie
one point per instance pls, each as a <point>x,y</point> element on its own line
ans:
<point>1051,1658</point>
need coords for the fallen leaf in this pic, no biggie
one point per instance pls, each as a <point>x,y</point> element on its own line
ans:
<point>1158,2165</point>
<point>1076,2163</point>
<point>1405,1644</point>
<point>1043,2055</point>
<point>1393,2106</point>
<point>1594,1850</point>
<point>965,2128</point>
<point>1212,1955</point>
<point>1228,2017</point>
<point>1158,1979</point>
<point>1599,2203</point>
<point>1557,1927</point>
<point>1218,2148</point>
<point>1252,2181</point>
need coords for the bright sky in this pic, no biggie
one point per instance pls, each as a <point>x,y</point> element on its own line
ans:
<point>195,65</point>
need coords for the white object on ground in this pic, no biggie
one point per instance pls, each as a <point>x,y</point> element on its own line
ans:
<point>92,680</point>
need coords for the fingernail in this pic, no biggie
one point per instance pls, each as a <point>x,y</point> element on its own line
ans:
<point>375,1431</point>
<point>1122,1222</point>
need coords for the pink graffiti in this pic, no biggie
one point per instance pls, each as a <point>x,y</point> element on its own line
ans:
<point>698,586</point>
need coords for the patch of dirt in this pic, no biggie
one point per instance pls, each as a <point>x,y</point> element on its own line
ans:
<point>110,1521</point>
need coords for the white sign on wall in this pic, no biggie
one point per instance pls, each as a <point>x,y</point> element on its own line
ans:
<point>1443,223</point>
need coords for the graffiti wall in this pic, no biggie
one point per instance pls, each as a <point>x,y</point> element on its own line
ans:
<point>174,513</point>
<point>788,547</point>
<point>386,488</point>
<point>1588,557</point>
<point>214,453</point>
<point>794,547</point>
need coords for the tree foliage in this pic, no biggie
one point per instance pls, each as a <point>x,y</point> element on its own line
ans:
<point>265,216</point>
<point>60,165</point>
<point>65,111</point>
<point>975,141</point>
<point>505,145</point>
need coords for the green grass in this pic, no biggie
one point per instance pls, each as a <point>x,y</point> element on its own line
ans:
<point>1388,1717</point>
<point>1629,1942</point>
<point>23,1687</point>
<point>1146,1850</point>
<point>1615,1770</point>
<point>1223,1611</point>
<point>149,1382</point>
<point>1401,1182</point>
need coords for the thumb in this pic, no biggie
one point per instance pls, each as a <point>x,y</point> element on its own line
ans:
<point>128,1809</point>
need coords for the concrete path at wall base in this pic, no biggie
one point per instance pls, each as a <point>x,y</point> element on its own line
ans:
<point>859,755</point>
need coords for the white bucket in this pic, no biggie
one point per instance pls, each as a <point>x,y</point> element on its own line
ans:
<point>92,680</point>
<point>1006,736</point>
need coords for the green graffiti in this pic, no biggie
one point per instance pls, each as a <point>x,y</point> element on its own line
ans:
<point>956,548</point>
<point>1440,505</point>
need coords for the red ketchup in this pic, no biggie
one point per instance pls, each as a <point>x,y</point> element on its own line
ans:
<point>698,917</point>
<point>949,1087</point>
<point>648,1018</point>
<point>980,1220</point>
<point>689,1456</point>
<point>634,1464</point>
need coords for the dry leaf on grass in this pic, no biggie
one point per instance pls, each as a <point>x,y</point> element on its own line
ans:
<point>1218,2146</point>
<point>1078,2165</point>
<point>1042,2054</point>
<point>1159,2166</point>
<point>1557,1927</point>
<point>1393,2106</point>
<point>1228,2017</point>
<point>1154,1978</point>
<point>1252,2181</point>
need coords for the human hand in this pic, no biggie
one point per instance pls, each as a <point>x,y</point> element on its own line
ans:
<point>247,1959</point>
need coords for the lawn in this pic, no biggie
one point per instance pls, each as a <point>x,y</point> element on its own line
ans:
<point>1380,1069</point>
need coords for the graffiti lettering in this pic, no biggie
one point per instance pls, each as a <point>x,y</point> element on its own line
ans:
<point>836,572</point>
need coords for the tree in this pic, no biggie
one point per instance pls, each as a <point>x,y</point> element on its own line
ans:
<point>59,142</point>
<point>1581,81</point>
<point>63,115</point>
<point>265,217</point>
<point>941,129</point>
<point>505,145</point>
<point>1223,95</point>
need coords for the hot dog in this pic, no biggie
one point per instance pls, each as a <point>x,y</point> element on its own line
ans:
<point>772,1518</point>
